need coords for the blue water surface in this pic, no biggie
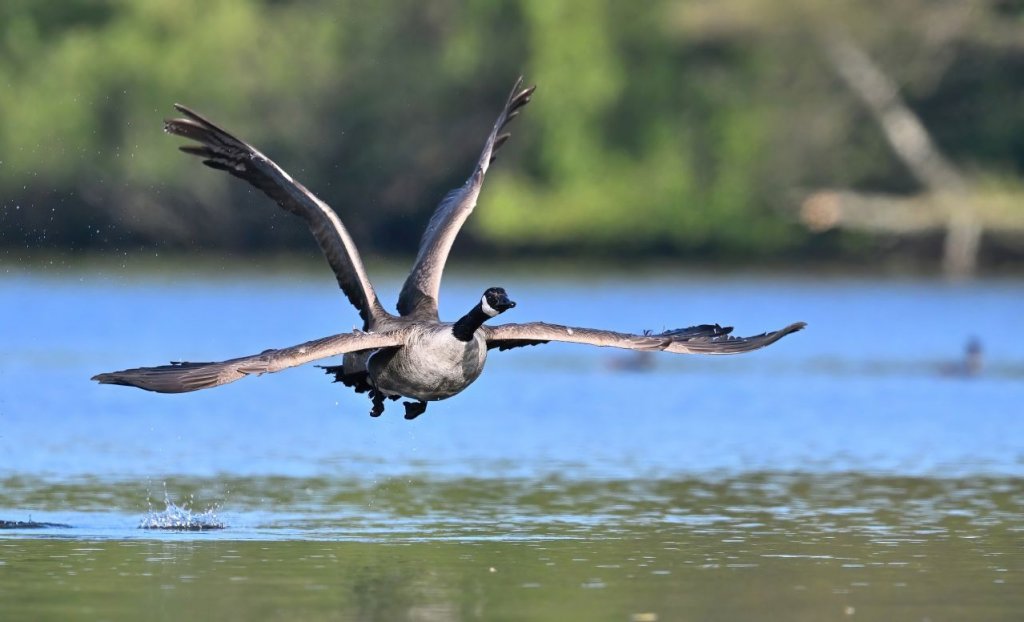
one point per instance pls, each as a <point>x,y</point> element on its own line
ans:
<point>866,387</point>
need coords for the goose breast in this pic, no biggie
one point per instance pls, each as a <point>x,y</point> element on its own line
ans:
<point>432,365</point>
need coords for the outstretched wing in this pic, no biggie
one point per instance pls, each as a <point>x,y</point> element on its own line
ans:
<point>419,294</point>
<point>726,344</point>
<point>183,377</point>
<point>220,150</point>
<point>703,339</point>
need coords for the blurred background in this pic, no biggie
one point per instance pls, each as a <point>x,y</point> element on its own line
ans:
<point>730,132</point>
<point>855,165</point>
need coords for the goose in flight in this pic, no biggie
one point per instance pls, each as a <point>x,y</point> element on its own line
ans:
<point>413,354</point>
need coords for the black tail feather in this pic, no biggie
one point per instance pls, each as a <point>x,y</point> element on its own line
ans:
<point>359,381</point>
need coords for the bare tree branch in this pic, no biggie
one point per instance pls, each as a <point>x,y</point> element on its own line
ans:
<point>914,146</point>
<point>898,214</point>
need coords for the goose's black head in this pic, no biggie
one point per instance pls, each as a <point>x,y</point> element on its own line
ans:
<point>495,301</point>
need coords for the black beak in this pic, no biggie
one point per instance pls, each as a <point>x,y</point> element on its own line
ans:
<point>503,303</point>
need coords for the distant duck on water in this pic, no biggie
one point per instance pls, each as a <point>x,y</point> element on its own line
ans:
<point>969,365</point>
<point>413,354</point>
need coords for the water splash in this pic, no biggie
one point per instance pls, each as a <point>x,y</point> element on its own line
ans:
<point>181,518</point>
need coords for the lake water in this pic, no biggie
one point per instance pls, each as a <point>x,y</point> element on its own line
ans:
<point>843,473</point>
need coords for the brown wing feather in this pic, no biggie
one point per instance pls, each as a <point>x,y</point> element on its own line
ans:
<point>703,339</point>
<point>419,293</point>
<point>184,377</point>
<point>221,150</point>
<point>508,336</point>
<point>727,344</point>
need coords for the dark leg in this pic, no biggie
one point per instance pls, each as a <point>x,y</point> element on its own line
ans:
<point>414,409</point>
<point>378,403</point>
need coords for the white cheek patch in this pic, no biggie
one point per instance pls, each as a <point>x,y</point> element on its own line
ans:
<point>488,309</point>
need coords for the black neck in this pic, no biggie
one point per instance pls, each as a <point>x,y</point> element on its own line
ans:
<point>467,324</point>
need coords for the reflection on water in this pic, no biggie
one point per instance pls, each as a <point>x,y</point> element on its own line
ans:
<point>840,473</point>
<point>760,545</point>
<point>553,507</point>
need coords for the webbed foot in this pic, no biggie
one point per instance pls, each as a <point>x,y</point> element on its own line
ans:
<point>378,403</point>
<point>414,409</point>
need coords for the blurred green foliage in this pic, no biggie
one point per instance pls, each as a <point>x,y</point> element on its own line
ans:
<point>658,128</point>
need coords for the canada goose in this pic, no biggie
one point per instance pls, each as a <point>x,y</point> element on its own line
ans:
<point>412,354</point>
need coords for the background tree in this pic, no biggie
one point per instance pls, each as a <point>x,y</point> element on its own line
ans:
<point>660,129</point>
